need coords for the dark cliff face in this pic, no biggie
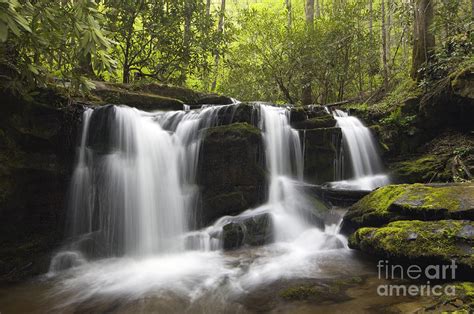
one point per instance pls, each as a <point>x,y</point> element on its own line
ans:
<point>37,141</point>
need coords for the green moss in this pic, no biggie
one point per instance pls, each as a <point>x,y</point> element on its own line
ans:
<point>325,121</point>
<point>299,293</point>
<point>382,198</point>
<point>421,169</point>
<point>415,201</point>
<point>438,240</point>
<point>236,129</point>
<point>467,288</point>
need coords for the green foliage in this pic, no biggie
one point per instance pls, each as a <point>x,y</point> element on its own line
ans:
<point>11,19</point>
<point>59,35</point>
<point>272,60</point>
<point>164,42</point>
<point>264,51</point>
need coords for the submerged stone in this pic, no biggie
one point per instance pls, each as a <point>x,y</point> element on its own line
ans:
<point>252,231</point>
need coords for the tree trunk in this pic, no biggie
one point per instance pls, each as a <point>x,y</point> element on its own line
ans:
<point>318,9</point>
<point>309,11</point>
<point>423,38</point>
<point>188,14</point>
<point>388,28</point>
<point>289,13</point>
<point>220,30</point>
<point>306,93</point>
<point>208,8</point>
<point>85,66</point>
<point>371,38</point>
<point>384,47</point>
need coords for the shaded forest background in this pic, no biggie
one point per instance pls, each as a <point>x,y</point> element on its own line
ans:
<point>284,51</point>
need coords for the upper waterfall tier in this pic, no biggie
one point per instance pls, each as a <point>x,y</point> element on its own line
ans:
<point>365,161</point>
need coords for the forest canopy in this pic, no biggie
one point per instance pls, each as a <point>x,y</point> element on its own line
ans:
<point>284,51</point>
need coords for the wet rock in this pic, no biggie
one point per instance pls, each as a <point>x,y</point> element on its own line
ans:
<point>300,114</point>
<point>320,151</point>
<point>231,170</point>
<point>37,140</point>
<point>326,121</point>
<point>101,129</point>
<point>436,242</point>
<point>416,201</point>
<point>251,231</point>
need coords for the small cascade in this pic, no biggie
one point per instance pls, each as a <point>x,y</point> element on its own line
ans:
<point>284,158</point>
<point>293,213</point>
<point>133,190</point>
<point>365,161</point>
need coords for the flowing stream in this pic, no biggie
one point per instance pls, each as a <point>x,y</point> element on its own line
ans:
<point>131,218</point>
<point>361,148</point>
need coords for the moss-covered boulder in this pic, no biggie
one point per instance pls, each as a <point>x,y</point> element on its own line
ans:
<point>448,157</point>
<point>320,151</point>
<point>153,96</point>
<point>302,113</point>
<point>421,169</point>
<point>251,231</point>
<point>416,201</point>
<point>186,95</point>
<point>325,121</point>
<point>425,241</point>
<point>231,170</point>
<point>142,101</point>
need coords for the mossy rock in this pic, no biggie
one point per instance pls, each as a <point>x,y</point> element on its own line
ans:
<point>142,101</point>
<point>422,169</point>
<point>300,114</point>
<point>436,242</point>
<point>326,121</point>
<point>416,201</point>
<point>299,293</point>
<point>231,170</point>
<point>234,130</point>
<point>320,151</point>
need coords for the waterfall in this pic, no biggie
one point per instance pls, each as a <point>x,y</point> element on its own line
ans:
<point>132,199</point>
<point>133,189</point>
<point>284,160</point>
<point>293,213</point>
<point>365,161</point>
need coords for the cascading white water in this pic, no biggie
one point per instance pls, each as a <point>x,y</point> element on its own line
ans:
<point>366,164</point>
<point>284,160</point>
<point>133,189</point>
<point>133,193</point>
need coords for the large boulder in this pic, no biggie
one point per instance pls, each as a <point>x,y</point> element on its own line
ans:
<point>302,113</point>
<point>325,121</point>
<point>447,157</point>
<point>321,148</point>
<point>153,96</point>
<point>433,242</point>
<point>231,170</point>
<point>142,101</point>
<point>416,201</point>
